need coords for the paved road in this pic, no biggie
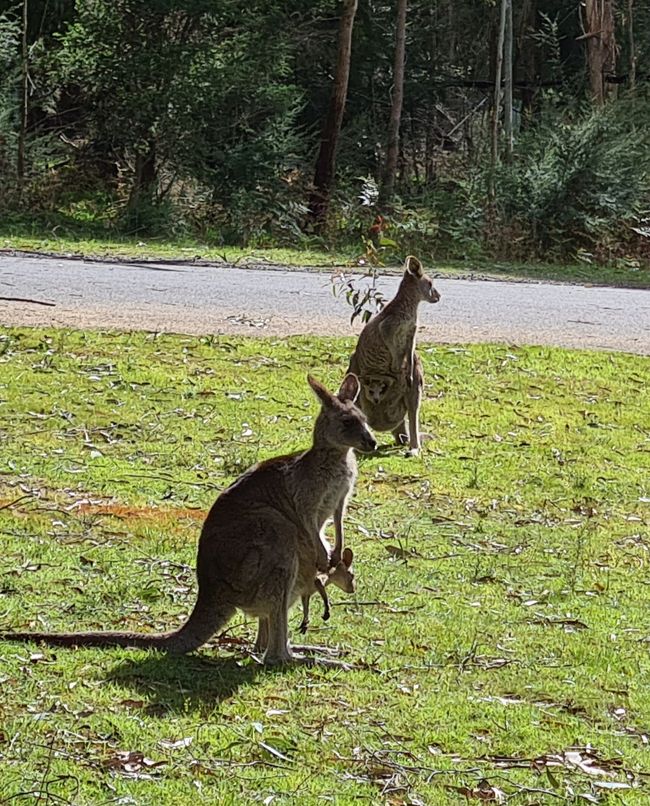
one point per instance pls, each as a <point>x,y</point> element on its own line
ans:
<point>204,299</point>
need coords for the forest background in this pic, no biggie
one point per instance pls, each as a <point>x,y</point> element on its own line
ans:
<point>513,130</point>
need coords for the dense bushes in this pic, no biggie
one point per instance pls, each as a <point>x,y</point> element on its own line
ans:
<point>580,184</point>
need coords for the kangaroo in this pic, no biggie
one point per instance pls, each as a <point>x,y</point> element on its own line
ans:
<point>386,349</point>
<point>261,543</point>
<point>341,575</point>
<point>375,388</point>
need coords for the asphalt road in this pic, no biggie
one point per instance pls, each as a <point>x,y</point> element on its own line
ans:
<point>254,301</point>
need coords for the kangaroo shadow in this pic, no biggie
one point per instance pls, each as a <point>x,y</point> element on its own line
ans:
<point>178,683</point>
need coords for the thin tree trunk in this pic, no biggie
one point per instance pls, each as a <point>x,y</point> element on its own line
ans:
<point>145,175</point>
<point>414,148</point>
<point>601,47</point>
<point>451,31</point>
<point>496,107</point>
<point>631,46</point>
<point>392,150</point>
<point>24,98</point>
<point>507,56</point>
<point>326,162</point>
<point>527,59</point>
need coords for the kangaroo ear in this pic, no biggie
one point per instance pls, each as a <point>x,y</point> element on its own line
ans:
<point>325,397</point>
<point>413,266</point>
<point>347,556</point>
<point>350,388</point>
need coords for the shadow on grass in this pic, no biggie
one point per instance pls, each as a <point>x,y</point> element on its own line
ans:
<point>187,682</point>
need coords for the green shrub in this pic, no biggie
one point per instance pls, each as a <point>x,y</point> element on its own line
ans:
<point>578,184</point>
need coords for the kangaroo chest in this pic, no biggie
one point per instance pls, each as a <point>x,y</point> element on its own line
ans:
<point>334,495</point>
<point>320,497</point>
<point>403,333</point>
<point>384,348</point>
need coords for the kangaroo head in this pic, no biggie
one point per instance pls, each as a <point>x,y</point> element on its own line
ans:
<point>375,388</point>
<point>340,422</point>
<point>415,275</point>
<point>341,574</point>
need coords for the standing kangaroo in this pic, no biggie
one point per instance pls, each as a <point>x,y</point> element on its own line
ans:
<point>386,363</point>
<point>261,544</point>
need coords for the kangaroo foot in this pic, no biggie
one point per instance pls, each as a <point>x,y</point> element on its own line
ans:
<point>273,660</point>
<point>327,663</point>
<point>316,650</point>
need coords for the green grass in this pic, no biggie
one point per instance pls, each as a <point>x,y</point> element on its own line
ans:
<point>626,274</point>
<point>502,611</point>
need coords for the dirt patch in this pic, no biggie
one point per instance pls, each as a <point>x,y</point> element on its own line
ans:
<point>108,509</point>
<point>154,514</point>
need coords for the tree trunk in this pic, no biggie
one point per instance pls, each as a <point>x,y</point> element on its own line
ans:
<point>326,162</point>
<point>496,107</point>
<point>24,98</point>
<point>631,46</point>
<point>145,175</point>
<point>527,59</point>
<point>601,47</point>
<point>392,150</point>
<point>451,56</point>
<point>507,57</point>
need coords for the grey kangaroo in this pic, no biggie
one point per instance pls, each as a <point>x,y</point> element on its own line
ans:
<point>341,575</point>
<point>261,544</point>
<point>386,363</point>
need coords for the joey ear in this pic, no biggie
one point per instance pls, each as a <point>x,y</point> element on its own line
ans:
<point>413,266</point>
<point>320,391</point>
<point>350,388</point>
<point>347,557</point>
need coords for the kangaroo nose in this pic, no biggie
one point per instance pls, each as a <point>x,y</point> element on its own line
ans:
<point>371,442</point>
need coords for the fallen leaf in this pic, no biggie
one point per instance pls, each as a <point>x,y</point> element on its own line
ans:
<point>133,703</point>
<point>170,744</point>
<point>611,785</point>
<point>584,763</point>
<point>484,792</point>
<point>132,764</point>
<point>400,553</point>
<point>274,752</point>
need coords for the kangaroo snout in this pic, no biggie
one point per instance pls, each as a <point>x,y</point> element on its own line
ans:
<point>368,443</point>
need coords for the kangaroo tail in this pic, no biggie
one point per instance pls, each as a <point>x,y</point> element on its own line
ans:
<point>208,617</point>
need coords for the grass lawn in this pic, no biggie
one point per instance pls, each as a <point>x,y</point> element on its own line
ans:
<point>625,275</point>
<point>502,616</point>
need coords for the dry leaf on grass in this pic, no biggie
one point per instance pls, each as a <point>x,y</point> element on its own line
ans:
<point>171,744</point>
<point>133,764</point>
<point>484,792</point>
